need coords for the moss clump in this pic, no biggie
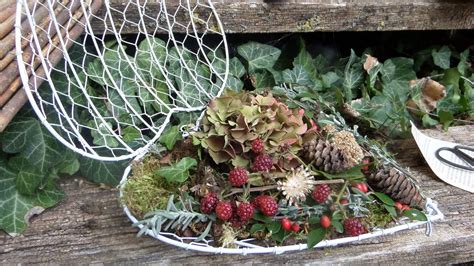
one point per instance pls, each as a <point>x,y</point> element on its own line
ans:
<point>379,217</point>
<point>145,192</point>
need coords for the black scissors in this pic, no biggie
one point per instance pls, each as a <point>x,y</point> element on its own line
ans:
<point>457,150</point>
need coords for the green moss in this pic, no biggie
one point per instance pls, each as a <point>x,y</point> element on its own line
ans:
<point>378,217</point>
<point>145,192</point>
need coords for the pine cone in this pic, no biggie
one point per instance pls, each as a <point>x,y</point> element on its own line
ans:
<point>395,184</point>
<point>325,156</point>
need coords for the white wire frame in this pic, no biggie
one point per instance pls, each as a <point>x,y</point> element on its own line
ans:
<point>85,148</point>
<point>245,246</point>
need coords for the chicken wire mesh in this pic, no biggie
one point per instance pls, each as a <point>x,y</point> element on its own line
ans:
<point>108,95</point>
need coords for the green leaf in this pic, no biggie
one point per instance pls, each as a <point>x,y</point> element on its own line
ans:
<point>274,227</point>
<point>446,118</point>
<point>391,210</point>
<point>463,64</point>
<point>32,141</point>
<point>262,218</point>
<point>262,79</point>
<point>353,76</point>
<point>234,83</point>
<point>101,171</point>
<point>258,56</point>
<point>442,57</point>
<point>49,195</point>
<point>256,228</point>
<point>13,206</point>
<point>131,134</point>
<point>178,172</point>
<point>279,236</point>
<point>236,68</point>
<point>415,215</point>
<point>315,236</point>
<point>353,174</point>
<point>27,182</point>
<point>297,76</point>
<point>337,224</point>
<point>69,164</point>
<point>428,121</point>
<point>170,136</point>
<point>329,79</point>
<point>384,198</point>
<point>103,137</point>
<point>398,69</point>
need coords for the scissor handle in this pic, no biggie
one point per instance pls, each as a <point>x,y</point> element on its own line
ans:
<point>462,155</point>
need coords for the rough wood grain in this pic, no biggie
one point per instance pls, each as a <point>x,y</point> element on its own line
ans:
<point>89,227</point>
<point>316,15</point>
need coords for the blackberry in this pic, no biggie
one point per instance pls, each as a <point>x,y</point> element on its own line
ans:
<point>208,203</point>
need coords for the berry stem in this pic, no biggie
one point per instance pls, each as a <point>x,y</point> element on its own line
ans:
<point>252,189</point>
<point>339,196</point>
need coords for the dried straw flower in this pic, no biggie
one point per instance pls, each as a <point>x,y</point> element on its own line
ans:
<point>297,185</point>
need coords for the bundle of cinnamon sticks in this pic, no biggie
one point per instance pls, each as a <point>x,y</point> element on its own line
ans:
<point>68,13</point>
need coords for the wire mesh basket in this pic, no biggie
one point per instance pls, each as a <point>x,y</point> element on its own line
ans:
<point>252,246</point>
<point>109,96</point>
<point>117,93</point>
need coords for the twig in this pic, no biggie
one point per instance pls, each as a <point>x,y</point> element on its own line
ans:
<point>270,187</point>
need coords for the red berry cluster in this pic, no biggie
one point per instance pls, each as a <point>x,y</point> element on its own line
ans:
<point>287,225</point>
<point>321,193</point>
<point>353,227</point>
<point>257,146</point>
<point>238,177</point>
<point>262,163</point>
<point>238,214</point>
<point>266,204</point>
<point>209,203</point>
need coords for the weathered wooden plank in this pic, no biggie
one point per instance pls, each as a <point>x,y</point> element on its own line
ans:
<point>315,15</point>
<point>89,227</point>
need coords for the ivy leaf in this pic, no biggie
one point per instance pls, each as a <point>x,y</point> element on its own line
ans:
<point>442,57</point>
<point>178,172</point>
<point>234,83</point>
<point>258,56</point>
<point>353,76</point>
<point>69,164</point>
<point>102,171</point>
<point>315,236</point>
<point>398,69</point>
<point>297,76</point>
<point>49,194</point>
<point>32,141</point>
<point>415,215</point>
<point>13,205</point>
<point>170,136</point>
<point>262,79</point>
<point>329,79</point>
<point>236,68</point>
<point>102,136</point>
<point>463,64</point>
<point>384,198</point>
<point>131,134</point>
<point>28,177</point>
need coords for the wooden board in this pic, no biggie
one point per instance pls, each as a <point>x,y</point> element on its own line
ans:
<point>90,227</point>
<point>319,15</point>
